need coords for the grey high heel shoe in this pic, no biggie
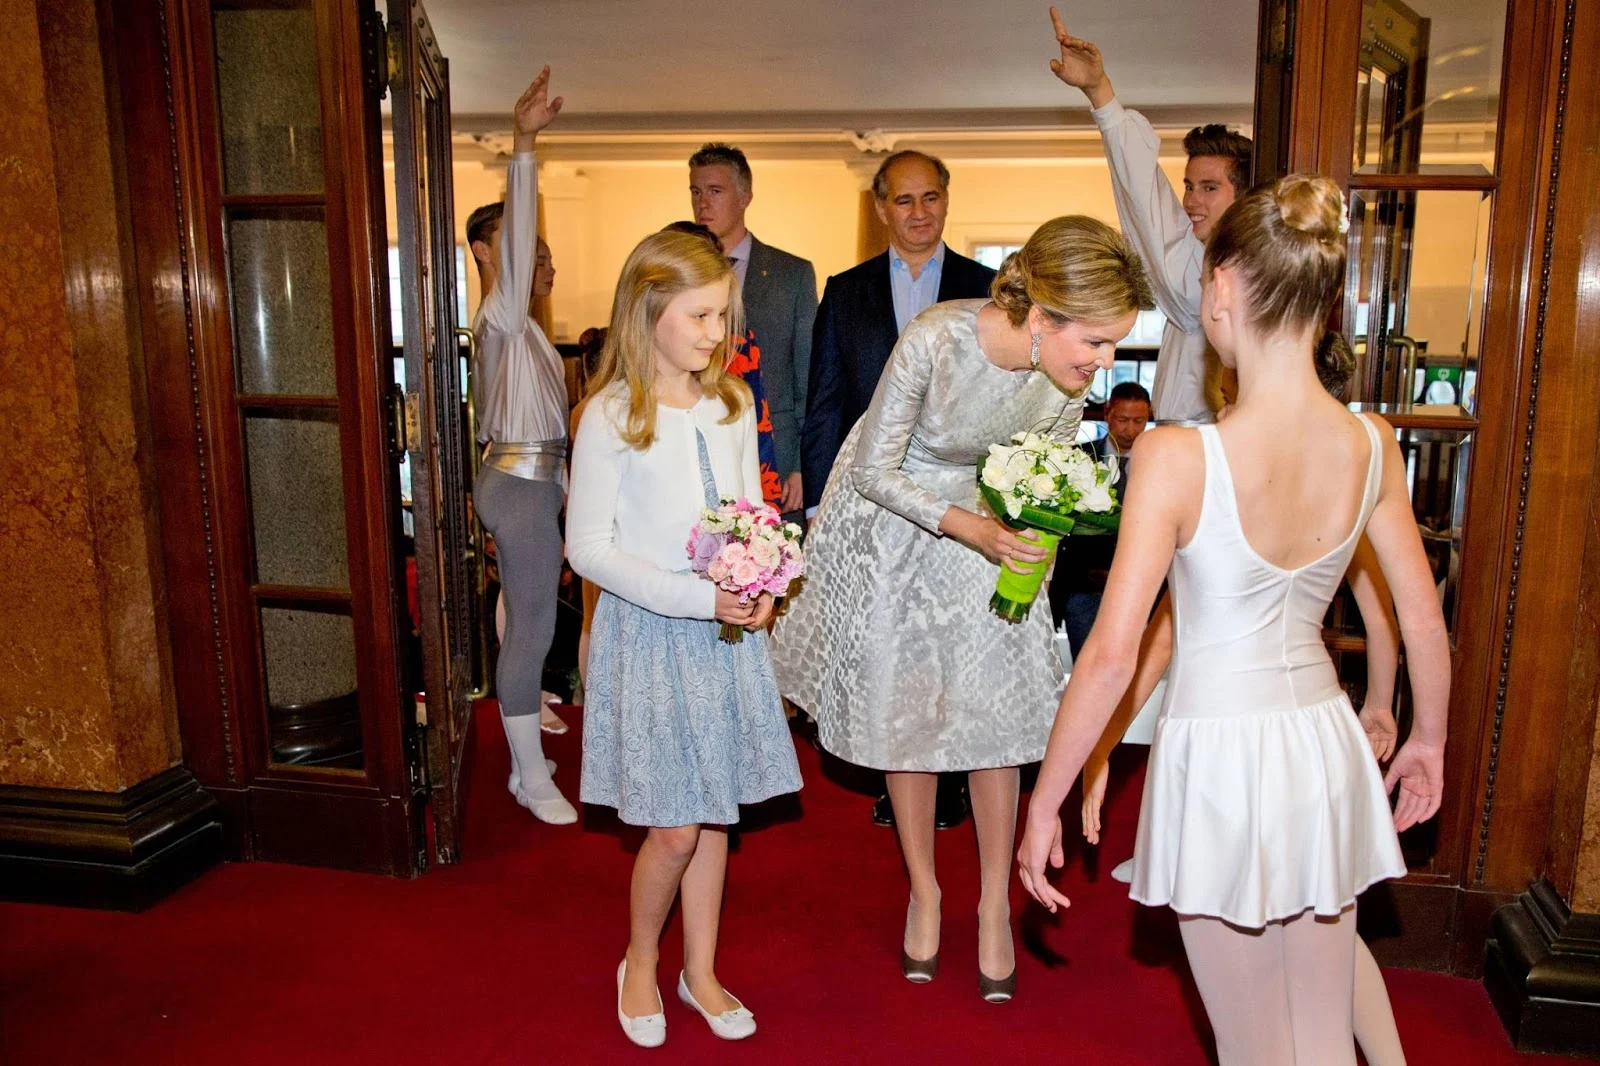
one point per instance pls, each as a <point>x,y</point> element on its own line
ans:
<point>918,971</point>
<point>997,990</point>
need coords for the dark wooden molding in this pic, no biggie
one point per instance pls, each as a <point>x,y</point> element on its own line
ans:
<point>1428,923</point>
<point>202,465</point>
<point>117,850</point>
<point>1542,970</point>
<point>1525,459</point>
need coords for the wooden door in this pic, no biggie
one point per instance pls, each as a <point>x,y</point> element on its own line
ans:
<point>437,426</point>
<point>255,171</point>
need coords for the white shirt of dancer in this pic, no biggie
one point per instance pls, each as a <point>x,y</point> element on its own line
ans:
<point>1154,220</point>
<point>521,387</point>
<point>630,511</point>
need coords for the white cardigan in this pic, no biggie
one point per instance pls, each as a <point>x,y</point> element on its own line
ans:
<point>629,512</point>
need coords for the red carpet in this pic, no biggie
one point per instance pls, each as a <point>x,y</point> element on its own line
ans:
<point>511,958</point>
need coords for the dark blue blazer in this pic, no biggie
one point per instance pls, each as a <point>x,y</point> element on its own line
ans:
<point>850,345</point>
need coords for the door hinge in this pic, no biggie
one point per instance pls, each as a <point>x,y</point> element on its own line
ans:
<point>397,423</point>
<point>413,420</point>
<point>375,54</point>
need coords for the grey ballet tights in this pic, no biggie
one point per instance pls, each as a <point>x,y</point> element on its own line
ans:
<point>524,517</point>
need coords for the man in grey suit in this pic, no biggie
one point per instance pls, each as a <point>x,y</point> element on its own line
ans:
<point>780,299</point>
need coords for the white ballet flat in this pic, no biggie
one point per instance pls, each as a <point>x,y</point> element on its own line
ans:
<point>733,1024</point>
<point>555,811</point>
<point>514,783</point>
<point>1123,871</point>
<point>648,1031</point>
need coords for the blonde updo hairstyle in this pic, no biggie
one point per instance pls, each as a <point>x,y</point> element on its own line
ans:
<point>662,266</point>
<point>1284,241</point>
<point>1073,269</point>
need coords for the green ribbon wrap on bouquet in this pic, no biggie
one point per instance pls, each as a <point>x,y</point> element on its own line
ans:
<point>1014,592</point>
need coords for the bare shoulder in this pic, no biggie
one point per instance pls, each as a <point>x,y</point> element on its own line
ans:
<point>1169,449</point>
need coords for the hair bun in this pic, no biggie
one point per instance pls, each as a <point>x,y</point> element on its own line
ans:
<point>1311,204</point>
<point>1010,288</point>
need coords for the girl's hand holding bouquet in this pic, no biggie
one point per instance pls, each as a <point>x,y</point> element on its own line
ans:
<point>752,555</point>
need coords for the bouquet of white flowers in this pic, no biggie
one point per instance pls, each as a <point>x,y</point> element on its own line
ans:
<point>1040,483</point>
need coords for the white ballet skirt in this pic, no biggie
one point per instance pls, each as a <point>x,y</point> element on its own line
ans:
<point>1262,799</point>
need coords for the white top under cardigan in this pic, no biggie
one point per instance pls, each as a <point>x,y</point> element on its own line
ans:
<point>630,511</point>
<point>1154,220</point>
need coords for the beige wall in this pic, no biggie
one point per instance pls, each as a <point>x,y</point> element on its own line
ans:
<point>596,212</point>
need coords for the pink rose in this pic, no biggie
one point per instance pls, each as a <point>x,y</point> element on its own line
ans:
<point>746,572</point>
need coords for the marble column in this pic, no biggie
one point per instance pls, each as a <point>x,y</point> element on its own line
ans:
<point>87,712</point>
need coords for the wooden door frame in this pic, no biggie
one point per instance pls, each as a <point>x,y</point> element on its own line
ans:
<point>1512,799</point>
<point>362,819</point>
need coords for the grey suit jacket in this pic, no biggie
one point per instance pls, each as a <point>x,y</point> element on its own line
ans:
<point>780,304</point>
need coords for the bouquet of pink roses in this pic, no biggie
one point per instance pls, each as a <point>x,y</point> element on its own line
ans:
<point>746,548</point>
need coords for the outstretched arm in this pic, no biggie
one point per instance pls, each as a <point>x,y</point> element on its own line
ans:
<point>1418,768</point>
<point>1158,505</point>
<point>1152,214</point>
<point>506,306</point>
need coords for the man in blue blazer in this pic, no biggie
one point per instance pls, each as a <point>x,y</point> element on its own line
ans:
<point>780,299</point>
<point>864,309</point>
<point>863,312</point>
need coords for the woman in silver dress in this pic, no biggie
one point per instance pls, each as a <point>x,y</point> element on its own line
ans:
<point>891,646</point>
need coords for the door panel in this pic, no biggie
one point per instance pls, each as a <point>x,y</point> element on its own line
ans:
<point>437,439</point>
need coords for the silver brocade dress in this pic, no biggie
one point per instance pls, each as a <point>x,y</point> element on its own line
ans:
<point>890,644</point>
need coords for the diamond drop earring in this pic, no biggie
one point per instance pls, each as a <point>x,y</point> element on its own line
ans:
<point>1033,353</point>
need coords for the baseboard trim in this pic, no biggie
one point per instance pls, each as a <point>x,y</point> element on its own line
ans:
<point>113,850</point>
<point>1542,970</point>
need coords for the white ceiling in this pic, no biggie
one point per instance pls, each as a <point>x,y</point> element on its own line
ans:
<point>676,58</point>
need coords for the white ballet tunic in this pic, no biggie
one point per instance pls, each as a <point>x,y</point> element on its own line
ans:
<point>1262,799</point>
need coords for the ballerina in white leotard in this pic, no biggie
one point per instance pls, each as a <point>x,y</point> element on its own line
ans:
<point>1264,813</point>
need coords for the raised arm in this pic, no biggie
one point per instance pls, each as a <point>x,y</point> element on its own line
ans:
<point>598,455</point>
<point>1418,767</point>
<point>506,307</point>
<point>1159,502</point>
<point>1151,212</point>
<point>1376,605</point>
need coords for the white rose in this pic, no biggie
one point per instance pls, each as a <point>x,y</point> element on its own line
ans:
<point>1043,486</point>
<point>1081,475</point>
<point>1098,498</point>
<point>1019,466</point>
<point>1013,506</point>
<point>995,476</point>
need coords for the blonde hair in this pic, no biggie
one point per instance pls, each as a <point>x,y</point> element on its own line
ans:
<point>662,266</point>
<point>1073,269</point>
<point>1284,240</point>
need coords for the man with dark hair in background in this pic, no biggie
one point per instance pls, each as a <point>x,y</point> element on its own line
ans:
<point>780,299</point>
<point>1082,562</point>
<point>863,312</point>
<point>1170,234</point>
<point>865,308</point>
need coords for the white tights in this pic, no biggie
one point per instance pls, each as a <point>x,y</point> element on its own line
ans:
<point>1278,996</point>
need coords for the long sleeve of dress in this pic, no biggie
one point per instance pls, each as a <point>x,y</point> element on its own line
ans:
<point>1152,214</point>
<point>886,432</point>
<point>592,548</point>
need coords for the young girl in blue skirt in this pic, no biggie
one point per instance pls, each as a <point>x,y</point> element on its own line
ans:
<point>680,727</point>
